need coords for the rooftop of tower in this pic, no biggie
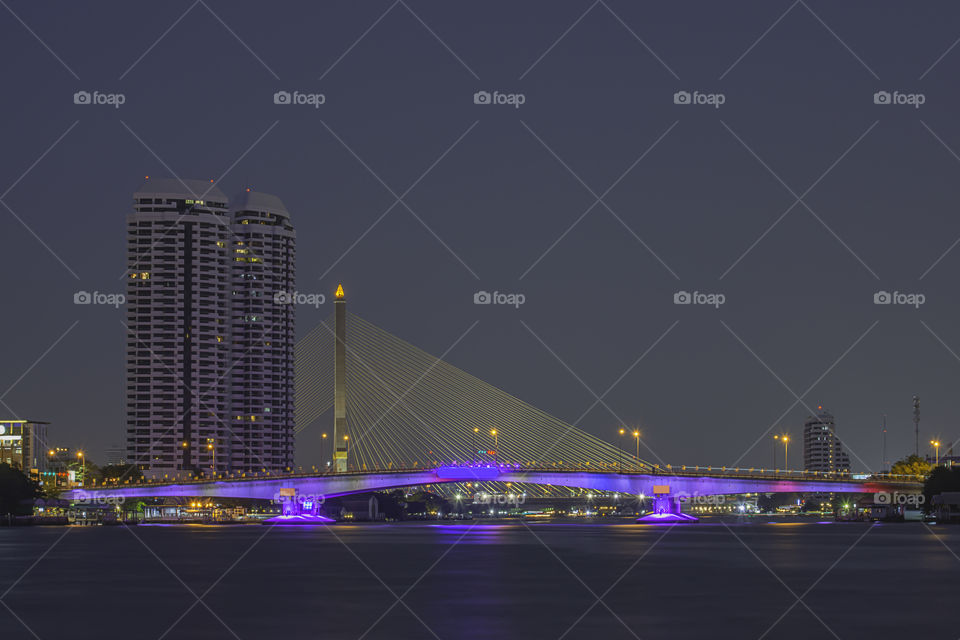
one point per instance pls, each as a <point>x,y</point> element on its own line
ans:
<point>176,188</point>
<point>251,200</point>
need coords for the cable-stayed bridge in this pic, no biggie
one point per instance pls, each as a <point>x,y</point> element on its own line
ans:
<point>403,417</point>
<point>408,409</point>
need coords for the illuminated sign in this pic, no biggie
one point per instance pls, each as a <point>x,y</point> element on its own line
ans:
<point>659,489</point>
<point>288,492</point>
<point>3,429</point>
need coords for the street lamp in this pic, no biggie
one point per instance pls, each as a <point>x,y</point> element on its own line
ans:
<point>636,436</point>
<point>213,453</point>
<point>83,468</point>
<point>476,443</point>
<point>786,456</point>
<point>323,447</point>
<point>620,449</point>
<point>496,443</point>
<point>936,446</point>
<point>775,452</point>
<point>346,447</point>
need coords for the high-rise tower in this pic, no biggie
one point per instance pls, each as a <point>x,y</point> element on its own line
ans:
<point>822,450</point>
<point>209,379</point>
<point>340,436</point>
<point>177,316</point>
<point>262,315</point>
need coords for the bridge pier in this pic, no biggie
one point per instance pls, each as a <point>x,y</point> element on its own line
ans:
<point>298,509</point>
<point>666,508</point>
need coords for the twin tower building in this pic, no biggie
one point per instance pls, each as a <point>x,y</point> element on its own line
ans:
<point>210,331</point>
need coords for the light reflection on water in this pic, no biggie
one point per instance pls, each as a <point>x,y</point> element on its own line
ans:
<point>483,579</point>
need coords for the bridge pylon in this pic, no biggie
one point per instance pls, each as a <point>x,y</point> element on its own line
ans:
<point>340,436</point>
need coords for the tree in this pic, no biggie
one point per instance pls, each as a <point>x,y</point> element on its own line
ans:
<point>941,480</point>
<point>912,465</point>
<point>121,473</point>
<point>17,492</point>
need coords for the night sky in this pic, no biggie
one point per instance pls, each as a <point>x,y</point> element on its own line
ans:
<point>694,198</point>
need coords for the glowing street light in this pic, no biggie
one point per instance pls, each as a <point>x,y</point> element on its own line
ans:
<point>786,456</point>
<point>936,446</point>
<point>636,436</point>
<point>496,443</point>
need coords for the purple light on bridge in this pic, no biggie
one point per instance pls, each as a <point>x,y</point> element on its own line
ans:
<point>489,472</point>
<point>304,518</point>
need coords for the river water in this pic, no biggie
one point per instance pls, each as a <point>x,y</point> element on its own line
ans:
<point>730,578</point>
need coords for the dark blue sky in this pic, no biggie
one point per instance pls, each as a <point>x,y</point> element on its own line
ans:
<point>799,102</point>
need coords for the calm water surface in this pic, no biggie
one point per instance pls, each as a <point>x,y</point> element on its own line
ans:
<point>715,579</point>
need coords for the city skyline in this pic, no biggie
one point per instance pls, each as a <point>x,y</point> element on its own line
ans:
<point>700,185</point>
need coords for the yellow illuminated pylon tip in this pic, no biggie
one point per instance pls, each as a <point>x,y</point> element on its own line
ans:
<point>339,294</point>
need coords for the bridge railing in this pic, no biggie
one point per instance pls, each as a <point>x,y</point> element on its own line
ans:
<point>665,470</point>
